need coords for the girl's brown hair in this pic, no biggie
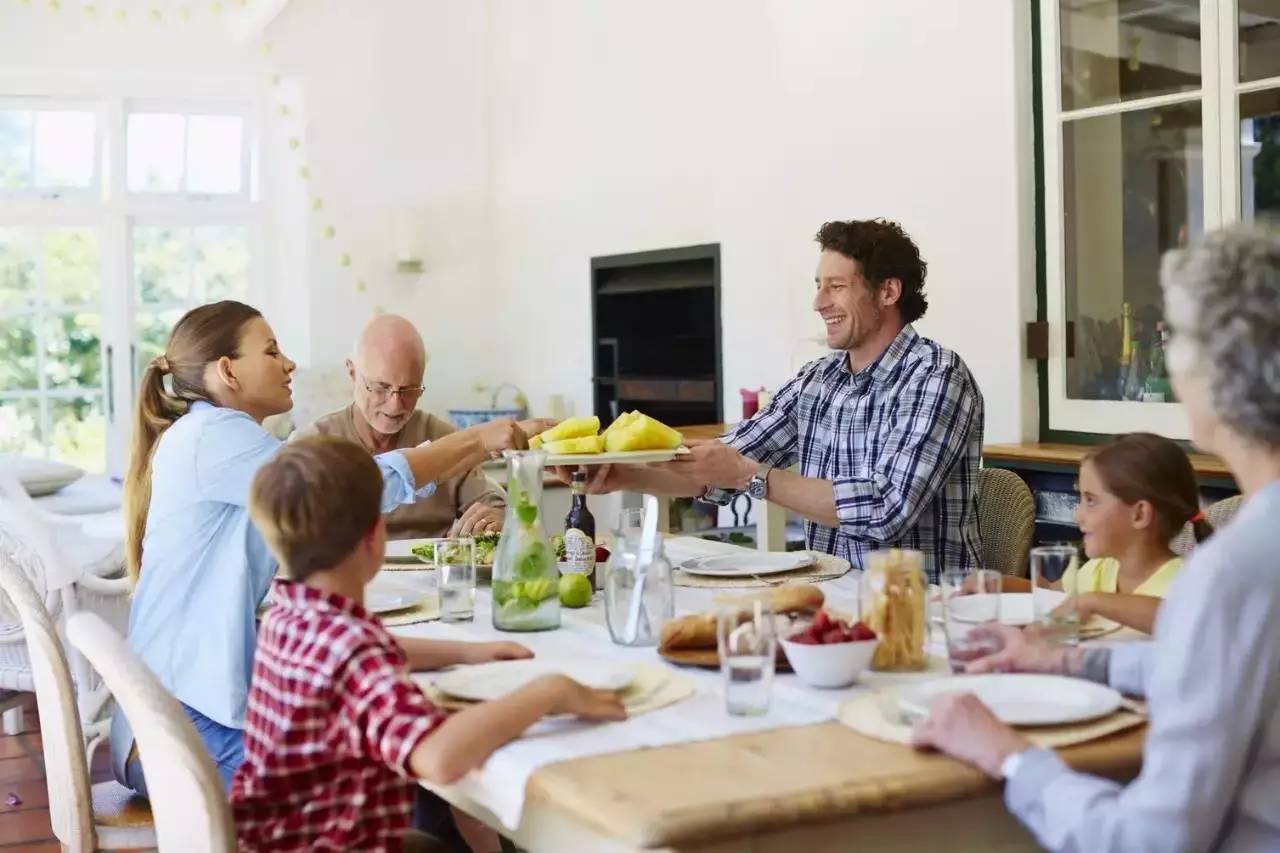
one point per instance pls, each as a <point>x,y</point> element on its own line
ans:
<point>1141,466</point>
<point>203,335</point>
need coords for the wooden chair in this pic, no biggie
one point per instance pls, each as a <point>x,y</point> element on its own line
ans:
<point>1006,521</point>
<point>1217,514</point>
<point>84,817</point>
<point>187,799</point>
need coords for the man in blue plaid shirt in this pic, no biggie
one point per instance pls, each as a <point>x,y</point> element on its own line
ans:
<point>886,430</point>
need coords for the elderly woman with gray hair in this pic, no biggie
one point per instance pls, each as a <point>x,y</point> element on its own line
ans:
<point>1211,767</point>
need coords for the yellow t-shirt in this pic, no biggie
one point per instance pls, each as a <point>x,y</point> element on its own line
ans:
<point>1100,576</point>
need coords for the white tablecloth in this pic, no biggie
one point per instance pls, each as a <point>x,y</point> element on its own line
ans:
<point>499,786</point>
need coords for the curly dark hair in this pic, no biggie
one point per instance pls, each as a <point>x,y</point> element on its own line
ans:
<point>883,251</point>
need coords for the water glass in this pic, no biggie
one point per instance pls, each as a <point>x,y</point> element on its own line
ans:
<point>456,574</point>
<point>1057,615</point>
<point>748,644</point>
<point>969,599</point>
<point>638,599</point>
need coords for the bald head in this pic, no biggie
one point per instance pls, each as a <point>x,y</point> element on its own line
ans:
<point>388,355</point>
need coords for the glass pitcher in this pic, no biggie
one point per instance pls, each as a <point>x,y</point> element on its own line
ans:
<point>637,598</point>
<point>526,581</point>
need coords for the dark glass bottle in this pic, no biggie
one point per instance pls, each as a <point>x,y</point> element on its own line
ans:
<point>580,532</point>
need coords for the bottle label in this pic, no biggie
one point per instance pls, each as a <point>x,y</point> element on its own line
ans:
<point>579,552</point>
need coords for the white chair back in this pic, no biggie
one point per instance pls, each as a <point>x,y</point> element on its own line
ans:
<point>65,765</point>
<point>187,800</point>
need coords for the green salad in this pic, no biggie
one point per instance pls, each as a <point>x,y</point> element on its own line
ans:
<point>486,545</point>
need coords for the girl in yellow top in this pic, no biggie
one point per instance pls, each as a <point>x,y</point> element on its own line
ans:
<point>1136,493</point>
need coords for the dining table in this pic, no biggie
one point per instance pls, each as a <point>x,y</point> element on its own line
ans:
<point>690,777</point>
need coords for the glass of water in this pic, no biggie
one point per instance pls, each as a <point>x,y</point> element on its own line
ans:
<point>748,644</point>
<point>456,576</point>
<point>1055,611</point>
<point>969,599</point>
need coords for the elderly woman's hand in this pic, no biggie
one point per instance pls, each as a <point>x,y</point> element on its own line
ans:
<point>964,728</point>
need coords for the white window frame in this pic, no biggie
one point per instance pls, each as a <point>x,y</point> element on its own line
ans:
<point>113,211</point>
<point>1220,118</point>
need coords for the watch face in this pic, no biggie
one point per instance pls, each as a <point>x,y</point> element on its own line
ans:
<point>755,488</point>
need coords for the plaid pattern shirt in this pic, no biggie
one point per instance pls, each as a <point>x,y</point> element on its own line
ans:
<point>332,719</point>
<point>900,439</point>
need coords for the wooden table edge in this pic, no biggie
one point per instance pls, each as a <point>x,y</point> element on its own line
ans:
<point>1117,757</point>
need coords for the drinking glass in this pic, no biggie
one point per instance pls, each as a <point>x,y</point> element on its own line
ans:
<point>969,599</point>
<point>1055,612</point>
<point>638,598</point>
<point>456,574</point>
<point>748,645</point>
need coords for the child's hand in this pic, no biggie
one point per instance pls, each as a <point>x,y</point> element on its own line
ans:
<point>486,652</point>
<point>570,697</point>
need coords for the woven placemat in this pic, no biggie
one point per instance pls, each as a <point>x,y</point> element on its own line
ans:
<point>427,611</point>
<point>875,714</point>
<point>654,687</point>
<point>825,567</point>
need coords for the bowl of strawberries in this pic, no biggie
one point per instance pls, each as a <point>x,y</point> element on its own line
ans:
<point>831,651</point>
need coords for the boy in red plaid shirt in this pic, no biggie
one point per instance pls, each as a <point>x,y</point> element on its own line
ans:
<point>335,729</point>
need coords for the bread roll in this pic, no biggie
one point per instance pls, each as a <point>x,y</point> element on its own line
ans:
<point>699,630</point>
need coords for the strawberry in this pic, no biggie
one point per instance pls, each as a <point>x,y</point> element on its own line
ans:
<point>822,622</point>
<point>804,639</point>
<point>835,635</point>
<point>860,632</point>
<point>602,554</point>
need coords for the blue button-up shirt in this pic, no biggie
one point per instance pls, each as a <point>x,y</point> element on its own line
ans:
<point>1211,767</point>
<point>205,567</point>
<point>901,440</point>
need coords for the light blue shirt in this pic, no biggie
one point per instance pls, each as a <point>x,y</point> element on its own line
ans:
<point>1211,766</point>
<point>205,567</point>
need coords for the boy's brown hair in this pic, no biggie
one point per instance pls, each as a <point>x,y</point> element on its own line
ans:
<point>1141,466</point>
<point>314,502</point>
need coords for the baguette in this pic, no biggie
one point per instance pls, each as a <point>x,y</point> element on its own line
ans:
<point>698,631</point>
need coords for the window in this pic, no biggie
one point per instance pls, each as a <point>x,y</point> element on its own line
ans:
<point>1160,121</point>
<point>92,269</point>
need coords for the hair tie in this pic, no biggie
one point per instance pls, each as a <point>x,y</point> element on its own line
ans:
<point>160,363</point>
<point>1198,517</point>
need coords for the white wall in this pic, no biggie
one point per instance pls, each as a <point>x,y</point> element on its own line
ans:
<point>623,126</point>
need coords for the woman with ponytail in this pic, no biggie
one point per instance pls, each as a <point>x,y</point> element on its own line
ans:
<point>200,567</point>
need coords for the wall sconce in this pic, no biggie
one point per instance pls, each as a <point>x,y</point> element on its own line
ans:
<point>409,229</point>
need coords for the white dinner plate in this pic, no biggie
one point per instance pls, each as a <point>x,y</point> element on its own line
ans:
<point>486,681</point>
<point>1015,607</point>
<point>384,596</point>
<point>398,550</point>
<point>1020,700</point>
<point>629,457</point>
<point>747,564</point>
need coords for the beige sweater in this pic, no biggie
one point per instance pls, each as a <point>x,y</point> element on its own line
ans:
<point>431,516</point>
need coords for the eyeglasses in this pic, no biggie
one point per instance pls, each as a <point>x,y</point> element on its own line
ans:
<point>381,390</point>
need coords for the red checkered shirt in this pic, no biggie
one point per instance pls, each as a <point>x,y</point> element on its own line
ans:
<point>332,719</point>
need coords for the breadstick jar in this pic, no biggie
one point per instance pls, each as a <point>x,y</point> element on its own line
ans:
<point>895,601</point>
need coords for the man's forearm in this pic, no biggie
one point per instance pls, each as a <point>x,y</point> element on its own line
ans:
<point>665,479</point>
<point>813,498</point>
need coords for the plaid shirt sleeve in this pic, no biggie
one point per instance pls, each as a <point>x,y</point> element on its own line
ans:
<point>769,437</point>
<point>389,713</point>
<point>938,412</point>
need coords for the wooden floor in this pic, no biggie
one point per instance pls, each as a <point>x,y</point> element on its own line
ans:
<point>25,826</point>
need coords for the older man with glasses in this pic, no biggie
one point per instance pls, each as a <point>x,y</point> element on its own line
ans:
<point>386,373</point>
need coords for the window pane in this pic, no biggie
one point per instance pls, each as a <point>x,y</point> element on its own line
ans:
<point>160,264</point>
<point>155,152</point>
<point>17,269</point>
<point>15,149</point>
<point>1133,187</point>
<point>1259,25</point>
<point>221,257</point>
<point>214,154</point>
<point>78,432</point>
<point>1116,50</point>
<point>153,330</point>
<point>17,352</point>
<point>64,149</point>
<point>72,354</point>
<point>20,427</point>
<point>71,266</point>
<point>1260,154</point>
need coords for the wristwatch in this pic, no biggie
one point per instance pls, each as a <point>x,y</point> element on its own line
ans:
<point>758,485</point>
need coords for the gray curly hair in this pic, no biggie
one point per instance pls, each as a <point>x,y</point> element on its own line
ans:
<point>1222,299</point>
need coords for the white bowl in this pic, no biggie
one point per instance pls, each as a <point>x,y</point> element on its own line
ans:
<point>831,664</point>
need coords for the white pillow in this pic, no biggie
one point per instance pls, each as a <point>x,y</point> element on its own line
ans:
<point>40,476</point>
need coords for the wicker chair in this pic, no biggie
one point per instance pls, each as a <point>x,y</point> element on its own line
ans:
<point>1217,514</point>
<point>1006,521</point>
